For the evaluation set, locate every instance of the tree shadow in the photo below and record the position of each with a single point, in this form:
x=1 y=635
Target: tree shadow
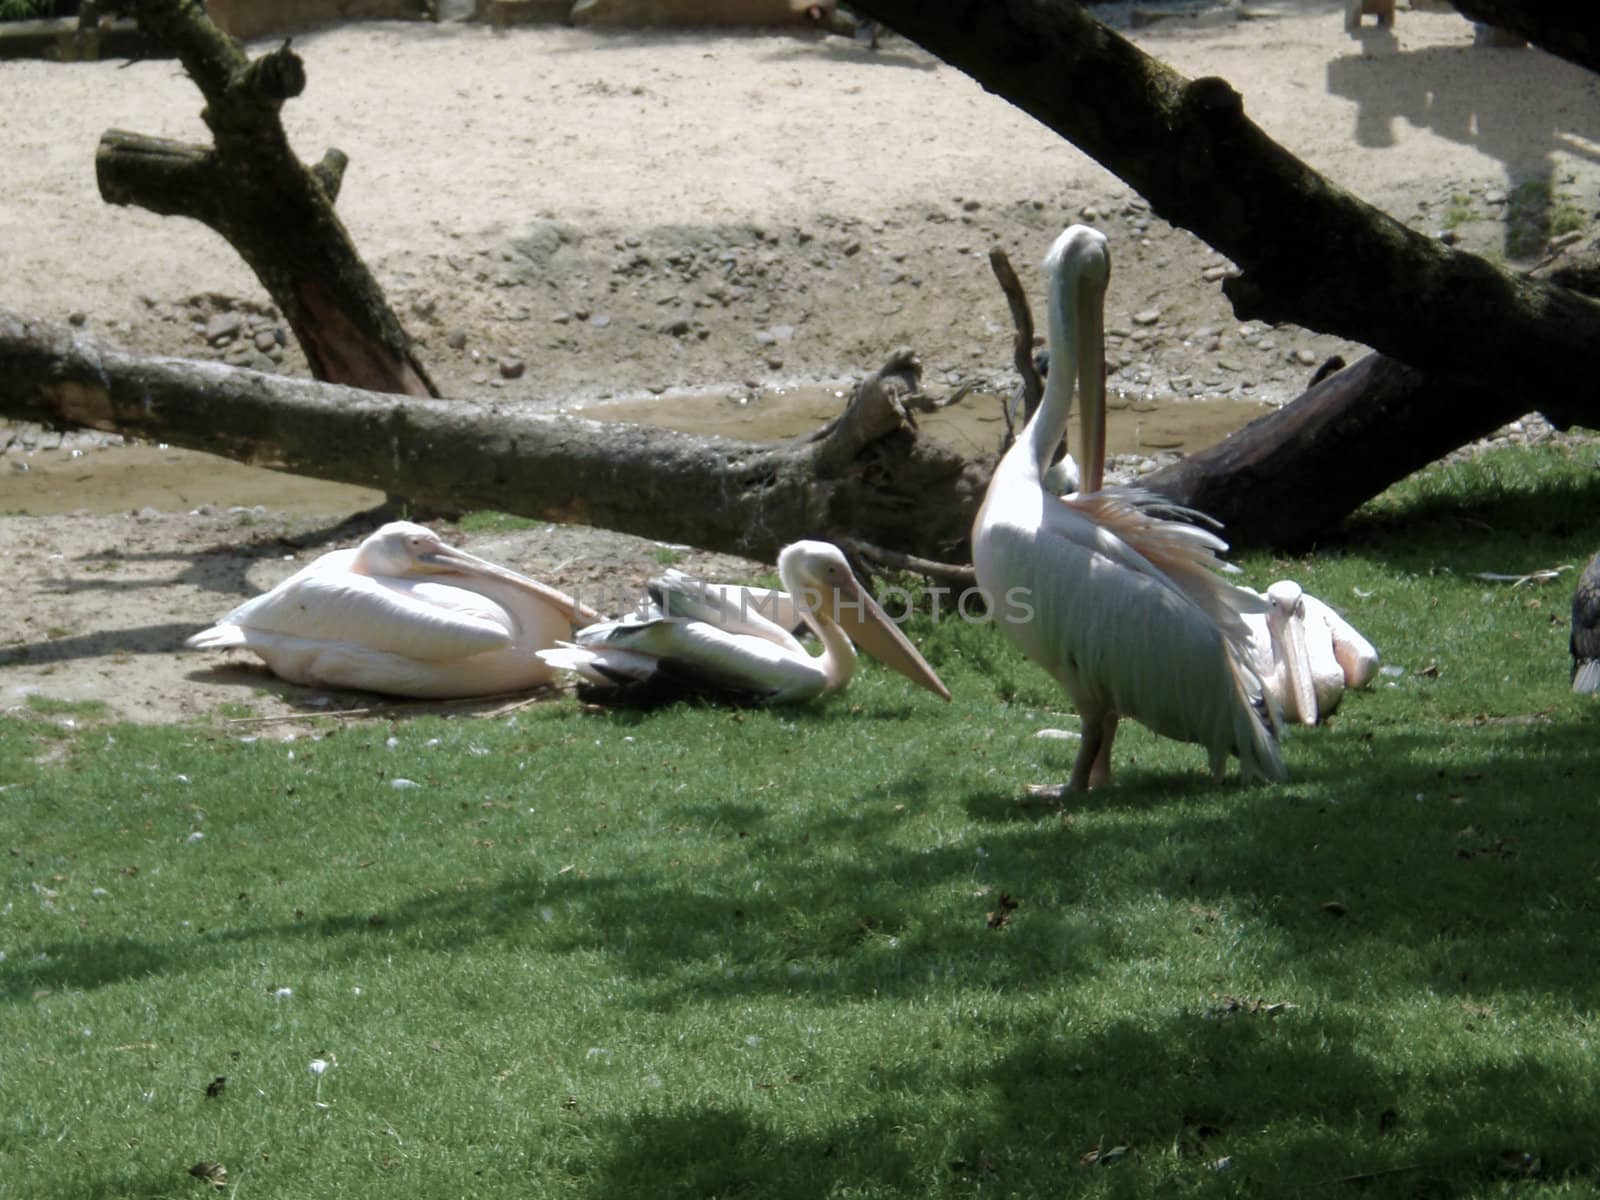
x=1518 y=106
x=145 y=639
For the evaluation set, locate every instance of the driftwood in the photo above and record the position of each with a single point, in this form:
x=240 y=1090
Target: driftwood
x=276 y=211
x=1308 y=252
x=869 y=474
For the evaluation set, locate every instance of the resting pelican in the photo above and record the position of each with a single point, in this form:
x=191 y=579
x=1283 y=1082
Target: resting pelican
x=1585 y=641
x=406 y=614
x=1117 y=602
x=1306 y=654
x=722 y=644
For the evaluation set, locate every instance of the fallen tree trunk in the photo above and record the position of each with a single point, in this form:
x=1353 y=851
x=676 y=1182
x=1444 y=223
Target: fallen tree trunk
x=1308 y=252
x=867 y=479
x=868 y=474
x=1288 y=479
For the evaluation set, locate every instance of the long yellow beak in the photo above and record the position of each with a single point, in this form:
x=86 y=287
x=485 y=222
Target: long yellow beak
x=1089 y=325
x=449 y=560
x=1297 y=666
x=855 y=611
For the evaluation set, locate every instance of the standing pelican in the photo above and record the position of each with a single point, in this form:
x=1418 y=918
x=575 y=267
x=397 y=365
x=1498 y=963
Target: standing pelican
x=1306 y=654
x=731 y=647
x=406 y=614
x=1119 y=603
x=1585 y=641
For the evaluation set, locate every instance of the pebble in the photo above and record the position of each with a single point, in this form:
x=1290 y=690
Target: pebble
x=512 y=368
x=1148 y=317
x=222 y=327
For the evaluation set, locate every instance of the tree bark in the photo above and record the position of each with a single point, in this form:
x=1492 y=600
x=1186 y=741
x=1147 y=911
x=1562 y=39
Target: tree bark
x=1567 y=30
x=1289 y=478
x=868 y=474
x=1308 y=252
x=276 y=211
x=867 y=479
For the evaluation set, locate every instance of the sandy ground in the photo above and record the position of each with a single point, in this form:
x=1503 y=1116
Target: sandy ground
x=570 y=217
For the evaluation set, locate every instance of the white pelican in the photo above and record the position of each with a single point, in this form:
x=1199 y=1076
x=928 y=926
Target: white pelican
x=1585 y=641
x=723 y=644
x=1306 y=654
x=1118 y=603
x=406 y=614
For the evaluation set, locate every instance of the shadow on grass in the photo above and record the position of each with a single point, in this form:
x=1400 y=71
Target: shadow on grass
x=1184 y=1099
x=1436 y=853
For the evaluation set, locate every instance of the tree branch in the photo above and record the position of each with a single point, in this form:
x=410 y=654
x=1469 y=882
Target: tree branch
x=274 y=210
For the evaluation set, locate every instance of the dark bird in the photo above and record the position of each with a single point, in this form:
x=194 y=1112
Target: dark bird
x=1586 y=630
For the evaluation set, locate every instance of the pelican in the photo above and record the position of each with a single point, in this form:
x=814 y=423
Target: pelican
x=1585 y=642
x=1113 y=598
x=1306 y=654
x=733 y=643
x=406 y=614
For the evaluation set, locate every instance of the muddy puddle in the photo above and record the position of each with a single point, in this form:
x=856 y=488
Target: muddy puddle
x=114 y=479
x=974 y=426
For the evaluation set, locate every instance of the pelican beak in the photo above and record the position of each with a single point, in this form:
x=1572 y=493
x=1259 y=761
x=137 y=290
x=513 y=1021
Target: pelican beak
x=448 y=560
x=1297 y=665
x=869 y=627
x=1089 y=324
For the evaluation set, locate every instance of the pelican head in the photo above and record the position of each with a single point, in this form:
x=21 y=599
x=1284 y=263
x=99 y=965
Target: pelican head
x=1079 y=269
x=404 y=549
x=1286 y=624
x=819 y=577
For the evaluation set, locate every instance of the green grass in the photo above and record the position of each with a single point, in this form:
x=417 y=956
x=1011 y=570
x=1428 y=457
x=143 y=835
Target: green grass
x=1536 y=212
x=826 y=951
x=1460 y=212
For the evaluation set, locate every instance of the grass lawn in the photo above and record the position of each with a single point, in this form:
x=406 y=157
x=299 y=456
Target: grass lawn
x=828 y=951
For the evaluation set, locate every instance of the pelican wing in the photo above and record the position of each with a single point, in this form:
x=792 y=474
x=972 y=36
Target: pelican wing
x=422 y=620
x=1083 y=595
x=694 y=655
x=1131 y=529
x=759 y=612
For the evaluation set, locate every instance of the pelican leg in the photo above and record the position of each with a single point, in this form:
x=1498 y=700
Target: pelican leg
x=1100 y=771
x=1093 y=766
